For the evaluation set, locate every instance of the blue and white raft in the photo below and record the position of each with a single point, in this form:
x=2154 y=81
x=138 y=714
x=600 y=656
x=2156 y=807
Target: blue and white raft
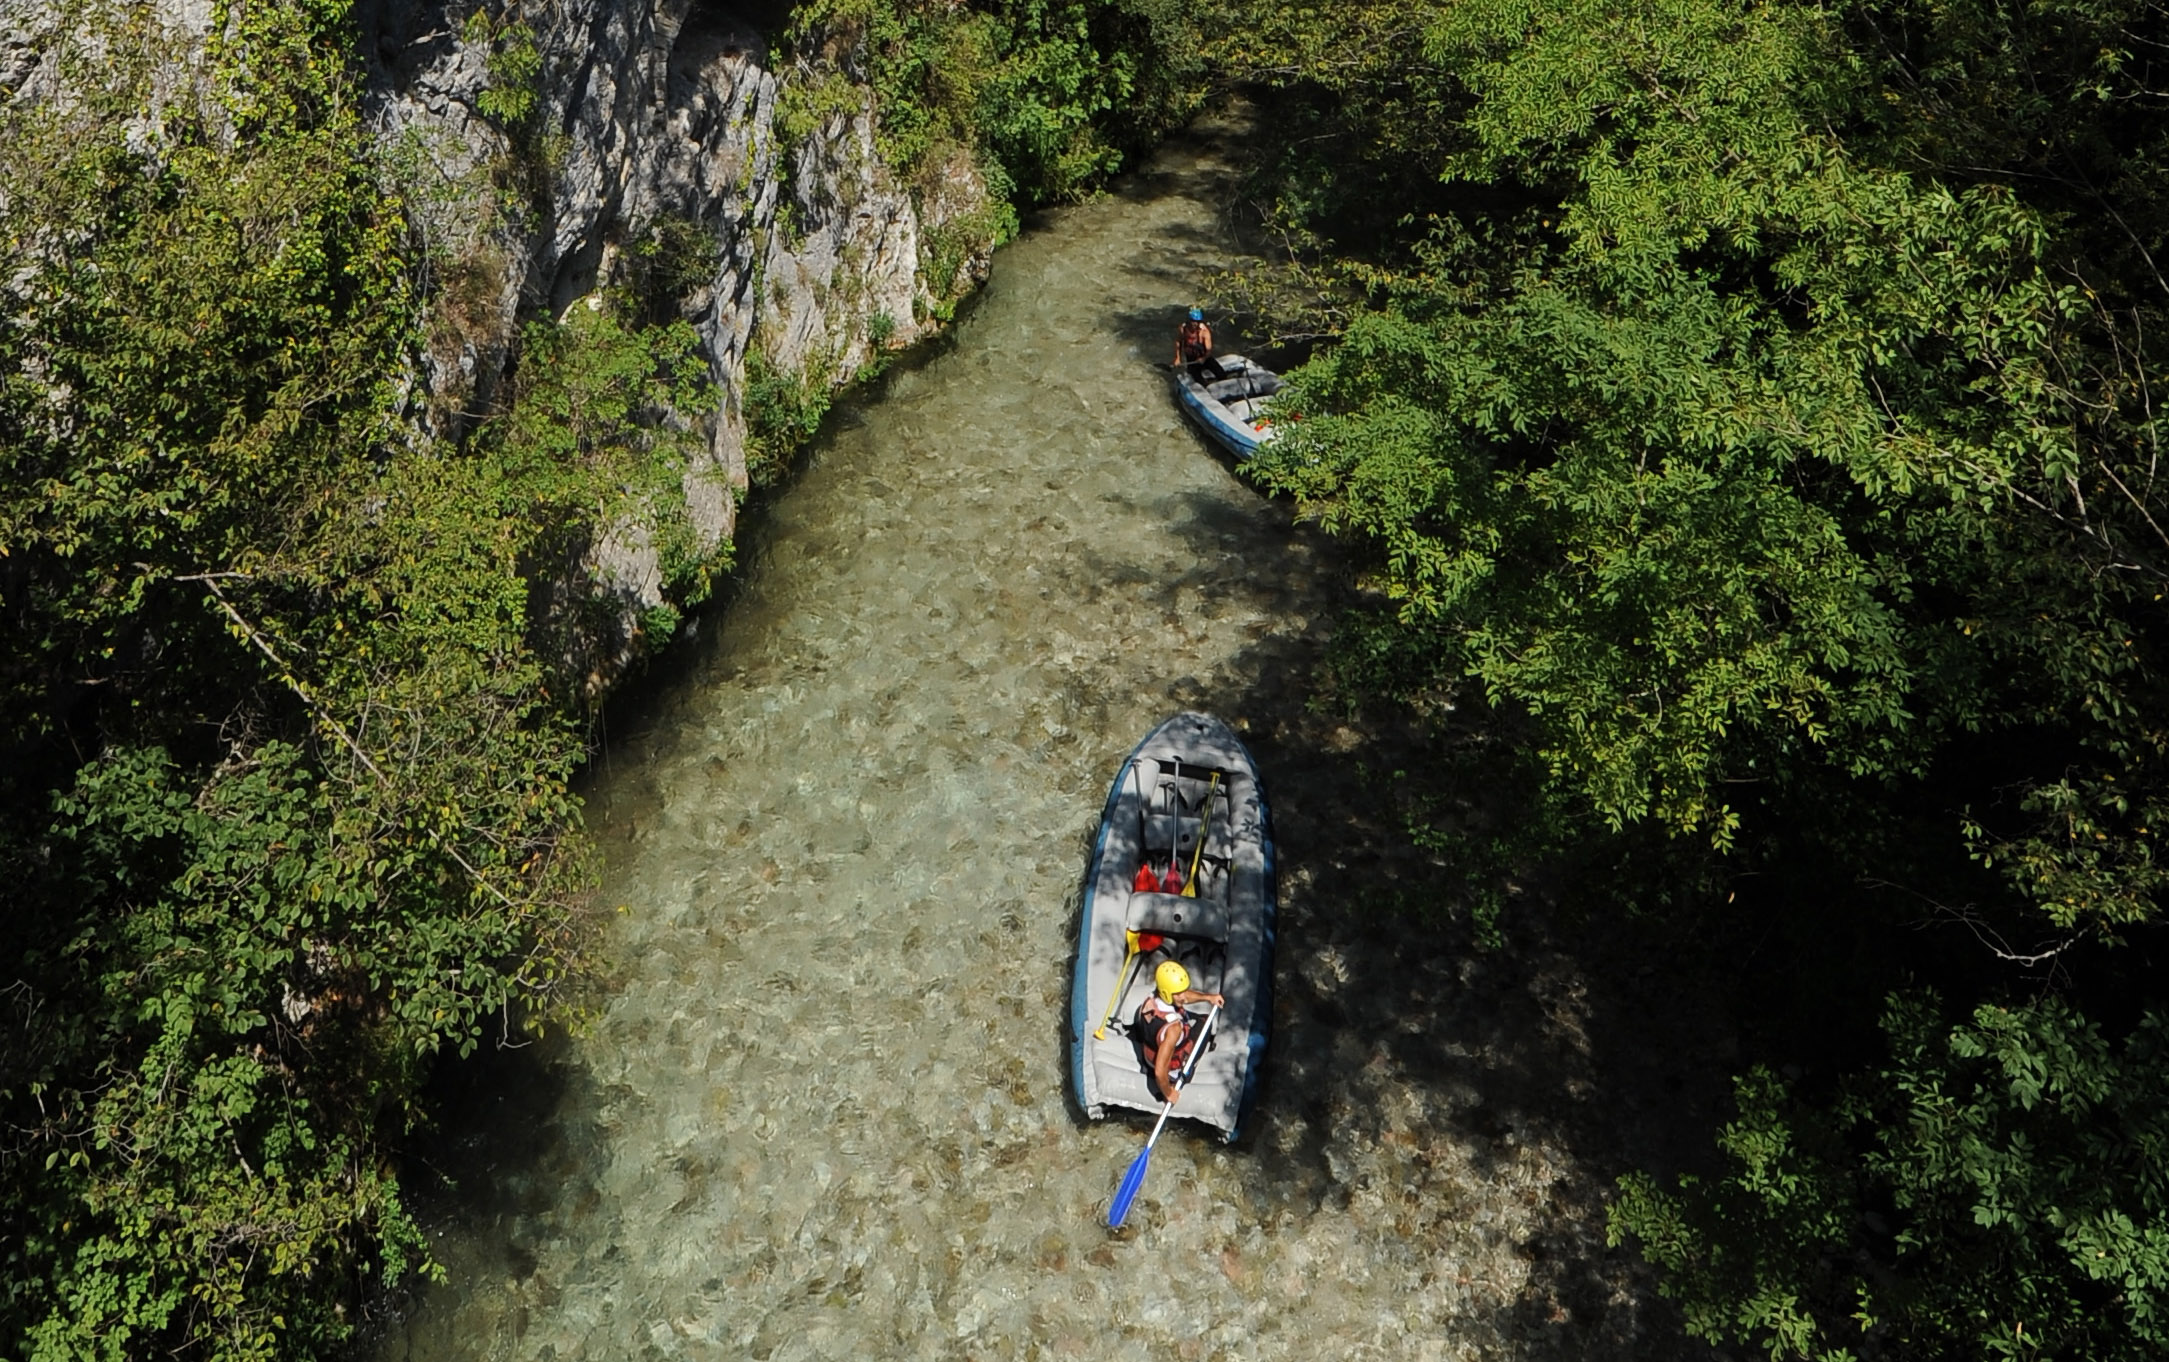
x=1191 y=778
x=1231 y=407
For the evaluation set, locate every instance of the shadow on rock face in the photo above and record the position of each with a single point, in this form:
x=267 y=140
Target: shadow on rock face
x=750 y=24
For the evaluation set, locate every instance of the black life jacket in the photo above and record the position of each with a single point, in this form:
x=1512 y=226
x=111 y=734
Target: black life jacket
x=1151 y=1020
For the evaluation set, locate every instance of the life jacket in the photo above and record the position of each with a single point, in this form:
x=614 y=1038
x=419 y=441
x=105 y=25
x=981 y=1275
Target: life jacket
x=1154 y=1017
x=1196 y=341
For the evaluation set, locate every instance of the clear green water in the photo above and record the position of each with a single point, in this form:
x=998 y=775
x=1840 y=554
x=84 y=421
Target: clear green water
x=822 y=1112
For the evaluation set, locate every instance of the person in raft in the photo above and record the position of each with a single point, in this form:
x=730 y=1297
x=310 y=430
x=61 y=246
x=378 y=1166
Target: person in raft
x=1194 y=348
x=1163 y=1031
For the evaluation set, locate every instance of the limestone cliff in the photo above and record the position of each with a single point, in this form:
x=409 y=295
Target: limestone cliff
x=653 y=133
x=549 y=150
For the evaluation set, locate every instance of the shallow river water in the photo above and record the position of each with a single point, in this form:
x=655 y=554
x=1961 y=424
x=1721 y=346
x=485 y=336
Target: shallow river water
x=821 y=1110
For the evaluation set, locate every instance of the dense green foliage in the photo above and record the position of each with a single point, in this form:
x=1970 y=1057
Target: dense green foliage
x=2007 y=1171
x=1753 y=406
x=1046 y=96
x=285 y=790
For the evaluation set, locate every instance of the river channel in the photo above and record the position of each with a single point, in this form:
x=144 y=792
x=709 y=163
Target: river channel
x=820 y=1111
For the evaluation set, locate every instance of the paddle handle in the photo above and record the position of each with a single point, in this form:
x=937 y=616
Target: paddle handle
x=1204 y=828
x=1122 y=982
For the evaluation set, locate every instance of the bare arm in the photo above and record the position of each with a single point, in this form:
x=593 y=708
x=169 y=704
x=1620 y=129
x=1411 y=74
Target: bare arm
x=1163 y=1061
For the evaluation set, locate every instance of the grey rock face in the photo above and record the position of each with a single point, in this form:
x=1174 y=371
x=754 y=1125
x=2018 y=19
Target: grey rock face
x=649 y=113
x=55 y=52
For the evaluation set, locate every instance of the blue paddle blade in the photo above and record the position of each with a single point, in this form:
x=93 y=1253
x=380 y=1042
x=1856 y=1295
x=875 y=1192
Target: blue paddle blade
x=1132 y=1181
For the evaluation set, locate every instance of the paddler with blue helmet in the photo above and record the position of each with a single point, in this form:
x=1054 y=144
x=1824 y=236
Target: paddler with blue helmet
x=1164 y=1032
x=1194 y=347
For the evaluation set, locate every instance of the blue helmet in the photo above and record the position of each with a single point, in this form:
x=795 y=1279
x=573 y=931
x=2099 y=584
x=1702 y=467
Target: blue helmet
x=1197 y=314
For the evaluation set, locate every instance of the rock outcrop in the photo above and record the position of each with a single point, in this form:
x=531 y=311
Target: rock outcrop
x=652 y=132
x=550 y=151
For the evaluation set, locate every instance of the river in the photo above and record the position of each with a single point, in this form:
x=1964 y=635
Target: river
x=820 y=1110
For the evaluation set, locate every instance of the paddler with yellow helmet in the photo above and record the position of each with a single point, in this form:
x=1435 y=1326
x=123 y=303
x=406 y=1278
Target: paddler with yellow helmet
x=1164 y=1032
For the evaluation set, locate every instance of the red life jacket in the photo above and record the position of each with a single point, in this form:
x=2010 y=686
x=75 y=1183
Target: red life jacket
x=1153 y=1018
x=1196 y=341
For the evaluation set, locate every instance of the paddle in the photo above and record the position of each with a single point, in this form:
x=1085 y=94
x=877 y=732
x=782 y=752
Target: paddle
x=1139 y=941
x=1144 y=882
x=1134 y=1180
x=1204 y=826
x=1171 y=882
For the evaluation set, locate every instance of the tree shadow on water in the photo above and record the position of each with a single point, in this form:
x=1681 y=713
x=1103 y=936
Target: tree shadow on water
x=493 y=1137
x=1476 y=1100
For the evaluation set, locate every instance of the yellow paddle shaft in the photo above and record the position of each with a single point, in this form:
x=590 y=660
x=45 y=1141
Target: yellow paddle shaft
x=1204 y=825
x=1121 y=982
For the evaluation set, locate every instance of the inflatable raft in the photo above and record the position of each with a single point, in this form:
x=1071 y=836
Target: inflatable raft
x=1231 y=407
x=1189 y=795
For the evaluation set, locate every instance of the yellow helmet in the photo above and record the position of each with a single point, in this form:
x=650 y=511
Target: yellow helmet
x=1171 y=979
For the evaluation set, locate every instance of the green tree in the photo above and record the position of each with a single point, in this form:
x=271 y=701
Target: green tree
x=1048 y=95
x=1646 y=483
x=1994 y=1191
x=285 y=789
x=1752 y=406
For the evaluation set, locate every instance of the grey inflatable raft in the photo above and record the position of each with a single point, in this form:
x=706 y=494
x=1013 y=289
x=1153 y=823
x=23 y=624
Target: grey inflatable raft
x=1190 y=778
x=1230 y=407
